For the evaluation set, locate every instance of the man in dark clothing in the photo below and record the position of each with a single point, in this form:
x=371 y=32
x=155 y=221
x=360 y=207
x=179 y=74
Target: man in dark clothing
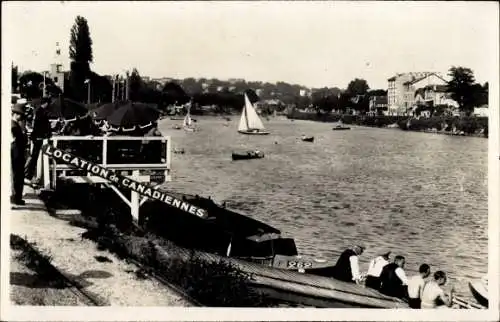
x=17 y=154
x=41 y=131
x=347 y=267
x=393 y=280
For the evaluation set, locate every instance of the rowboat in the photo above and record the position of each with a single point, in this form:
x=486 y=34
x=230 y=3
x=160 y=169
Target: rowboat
x=307 y=138
x=247 y=155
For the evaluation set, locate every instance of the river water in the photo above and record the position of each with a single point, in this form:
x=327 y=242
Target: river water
x=420 y=195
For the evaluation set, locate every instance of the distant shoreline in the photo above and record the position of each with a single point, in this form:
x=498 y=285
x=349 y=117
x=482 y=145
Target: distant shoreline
x=455 y=126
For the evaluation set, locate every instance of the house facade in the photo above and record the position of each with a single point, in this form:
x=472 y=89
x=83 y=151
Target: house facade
x=376 y=104
x=402 y=88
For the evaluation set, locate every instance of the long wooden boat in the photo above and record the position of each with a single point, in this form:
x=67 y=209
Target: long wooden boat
x=227 y=233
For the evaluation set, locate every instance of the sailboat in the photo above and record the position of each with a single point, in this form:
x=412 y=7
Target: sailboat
x=250 y=122
x=187 y=124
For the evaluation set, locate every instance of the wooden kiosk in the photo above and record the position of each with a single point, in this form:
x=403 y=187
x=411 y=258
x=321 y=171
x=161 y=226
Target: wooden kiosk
x=142 y=159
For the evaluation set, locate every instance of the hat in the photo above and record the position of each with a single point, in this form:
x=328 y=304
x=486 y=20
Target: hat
x=19 y=109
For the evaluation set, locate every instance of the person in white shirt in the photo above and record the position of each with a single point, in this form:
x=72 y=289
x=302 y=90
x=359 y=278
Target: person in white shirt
x=347 y=266
x=393 y=279
x=433 y=296
x=375 y=269
x=416 y=285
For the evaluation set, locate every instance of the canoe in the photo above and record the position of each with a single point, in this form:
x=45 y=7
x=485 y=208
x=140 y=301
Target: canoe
x=480 y=292
x=341 y=128
x=247 y=155
x=308 y=139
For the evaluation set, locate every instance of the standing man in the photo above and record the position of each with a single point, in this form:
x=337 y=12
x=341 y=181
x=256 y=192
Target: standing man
x=393 y=279
x=41 y=131
x=375 y=269
x=347 y=266
x=416 y=286
x=18 y=154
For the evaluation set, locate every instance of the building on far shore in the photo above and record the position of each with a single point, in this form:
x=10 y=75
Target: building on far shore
x=376 y=104
x=56 y=72
x=402 y=88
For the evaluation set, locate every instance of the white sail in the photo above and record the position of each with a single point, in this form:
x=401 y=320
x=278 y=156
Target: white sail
x=252 y=119
x=243 y=121
x=187 y=121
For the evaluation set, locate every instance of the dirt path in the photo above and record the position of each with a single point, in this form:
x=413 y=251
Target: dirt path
x=98 y=272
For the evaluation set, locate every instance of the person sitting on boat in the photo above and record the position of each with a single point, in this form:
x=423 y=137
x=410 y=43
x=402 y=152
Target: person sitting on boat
x=375 y=269
x=347 y=266
x=415 y=286
x=433 y=296
x=393 y=279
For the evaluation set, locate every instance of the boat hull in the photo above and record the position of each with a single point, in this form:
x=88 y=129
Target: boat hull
x=341 y=128
x=253 y=132
x=238 y=156
x=479 y=292
x=310 y=139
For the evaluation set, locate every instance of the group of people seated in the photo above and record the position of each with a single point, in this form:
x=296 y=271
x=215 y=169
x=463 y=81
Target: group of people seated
x=423 y=290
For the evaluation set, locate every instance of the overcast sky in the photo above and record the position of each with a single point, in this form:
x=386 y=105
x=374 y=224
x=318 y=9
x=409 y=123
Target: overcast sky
x=312 y=44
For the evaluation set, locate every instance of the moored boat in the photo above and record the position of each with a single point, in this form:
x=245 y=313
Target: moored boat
x=247 y=155
x=479 y=290
x=341 y=127
x=307 y=138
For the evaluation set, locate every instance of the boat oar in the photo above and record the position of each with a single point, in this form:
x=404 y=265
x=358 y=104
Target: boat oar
x=467 y=304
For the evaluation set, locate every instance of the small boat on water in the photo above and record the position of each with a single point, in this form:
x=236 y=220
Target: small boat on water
x=479 y=290
x=256 y=154
x=179 y=151
x=307 y=138
x=176 y=127
x=250 y=122
x=340 y=127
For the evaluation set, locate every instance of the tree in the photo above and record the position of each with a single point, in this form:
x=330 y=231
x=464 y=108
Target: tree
x=80 y=45
x=462 y=89
x=80 y=53
x=357 y=87
x=135 y=84
x=31 y=85
x=252 y=96
x=377 y=92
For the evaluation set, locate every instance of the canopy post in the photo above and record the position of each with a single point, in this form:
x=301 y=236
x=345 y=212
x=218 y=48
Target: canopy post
x=134 y=206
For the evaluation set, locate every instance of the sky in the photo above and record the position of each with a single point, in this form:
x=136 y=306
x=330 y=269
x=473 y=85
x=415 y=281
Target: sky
x=314 y=44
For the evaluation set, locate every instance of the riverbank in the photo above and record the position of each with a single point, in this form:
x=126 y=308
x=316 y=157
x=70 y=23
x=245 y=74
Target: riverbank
x=464 y=126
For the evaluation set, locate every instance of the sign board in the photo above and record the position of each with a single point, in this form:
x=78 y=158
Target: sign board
x=121 y=181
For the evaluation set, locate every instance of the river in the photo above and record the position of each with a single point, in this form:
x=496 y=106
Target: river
x=420 y=195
